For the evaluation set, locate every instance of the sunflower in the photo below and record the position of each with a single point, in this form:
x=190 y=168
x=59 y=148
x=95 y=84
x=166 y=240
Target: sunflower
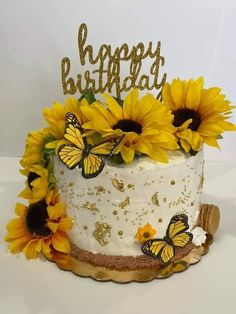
x=145 y=233
x=40 y=228
x=33 y=148
x=36 y=185
x=56 y=116
x=200 y=114
x=146 y=123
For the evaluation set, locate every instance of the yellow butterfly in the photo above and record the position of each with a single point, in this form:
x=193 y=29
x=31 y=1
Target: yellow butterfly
x=78 y=153
x=176 y=237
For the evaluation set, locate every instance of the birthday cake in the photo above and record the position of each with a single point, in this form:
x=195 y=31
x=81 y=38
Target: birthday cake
x=114 y=184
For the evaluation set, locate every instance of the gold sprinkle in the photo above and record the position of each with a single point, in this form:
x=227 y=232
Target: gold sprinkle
x=125 y=202
x=130 y=186
x=62 y=172
x=91 y=207
x=172 y=182
x=115 y=212
x=71 y=184
x=102 y=233
x=85 y=227
x=120 y=233
x=100 y=189
x=192 y=203
x=118 y=184
x=160 y=220
x=155 y=199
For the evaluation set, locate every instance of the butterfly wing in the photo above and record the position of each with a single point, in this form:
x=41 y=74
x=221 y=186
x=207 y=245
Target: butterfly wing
x=70 y=155
x=153 y=247
x=176 y=231
x=107 y=147
x=92 y=165
x=182 y=239
x=167 y=253
x=73 y=131
x=178 y=224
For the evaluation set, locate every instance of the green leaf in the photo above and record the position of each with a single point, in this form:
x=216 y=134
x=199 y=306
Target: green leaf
x=51 y=177
x=192 y=152
x=116 y=158
x=89 y=96
x=46 y=152
x=120 y=101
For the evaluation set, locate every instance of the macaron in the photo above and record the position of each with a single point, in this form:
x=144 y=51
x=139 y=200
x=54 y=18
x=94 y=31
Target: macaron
x=209 y=218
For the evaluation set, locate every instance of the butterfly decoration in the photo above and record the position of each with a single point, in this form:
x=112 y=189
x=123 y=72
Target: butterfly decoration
x=79 y=153
x=176 y=237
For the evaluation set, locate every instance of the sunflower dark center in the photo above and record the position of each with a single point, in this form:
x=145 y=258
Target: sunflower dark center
x=31 y=177
x=182 y=115
x=127 y=125
x=36 y=219
x=146 y=235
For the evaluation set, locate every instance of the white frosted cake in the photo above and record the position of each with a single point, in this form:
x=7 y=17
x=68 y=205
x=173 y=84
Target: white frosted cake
x=108 y=210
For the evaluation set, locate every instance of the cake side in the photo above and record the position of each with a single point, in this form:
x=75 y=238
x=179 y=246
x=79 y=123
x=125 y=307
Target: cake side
x=108 y=210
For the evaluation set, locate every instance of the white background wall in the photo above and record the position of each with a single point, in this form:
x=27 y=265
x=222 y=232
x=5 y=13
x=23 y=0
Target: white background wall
x=198 y=38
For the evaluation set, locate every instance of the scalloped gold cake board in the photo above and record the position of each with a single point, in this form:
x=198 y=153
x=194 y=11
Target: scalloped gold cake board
x=99 y=273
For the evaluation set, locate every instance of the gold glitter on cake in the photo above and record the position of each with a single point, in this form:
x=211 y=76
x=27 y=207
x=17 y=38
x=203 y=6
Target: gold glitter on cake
x=102 y=233
x=85 y=227
x=124 y=203
x=91 y=207
x=62 y=172
x=160 y=220
x=155 y=199
x=71 y=184
x=115 y=212
x=118 y=184
x=120 y=233
x=130 y=186
x=172 y=182
x=100 y=189
x=200 y=186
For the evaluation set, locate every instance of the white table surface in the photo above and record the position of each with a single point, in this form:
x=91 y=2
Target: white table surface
x=39 y=287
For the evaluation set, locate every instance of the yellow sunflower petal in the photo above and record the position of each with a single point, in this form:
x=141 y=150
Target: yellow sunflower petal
x=15 y=234
x=193 y=96
x=17 y=245
x=167 y=97
x=20 y=209
x=185 y=125
x=14 y=224
x=177 y=92
x=60 y=242
x=32 y=248
x=159 y=154
x=53 y=226
x=127 y=153
x=56 y=211
x=46 y=250
x=113 y=106
x=186 y=135
x=211 y=141
x=186 y=146
x=65 y=224
x=129 y=105
x=197 y=141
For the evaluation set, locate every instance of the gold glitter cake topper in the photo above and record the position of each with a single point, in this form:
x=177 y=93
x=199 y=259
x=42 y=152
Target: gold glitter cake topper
x=107 y=76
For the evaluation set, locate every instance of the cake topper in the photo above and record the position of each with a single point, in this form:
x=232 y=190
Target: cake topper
x=107 y=75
